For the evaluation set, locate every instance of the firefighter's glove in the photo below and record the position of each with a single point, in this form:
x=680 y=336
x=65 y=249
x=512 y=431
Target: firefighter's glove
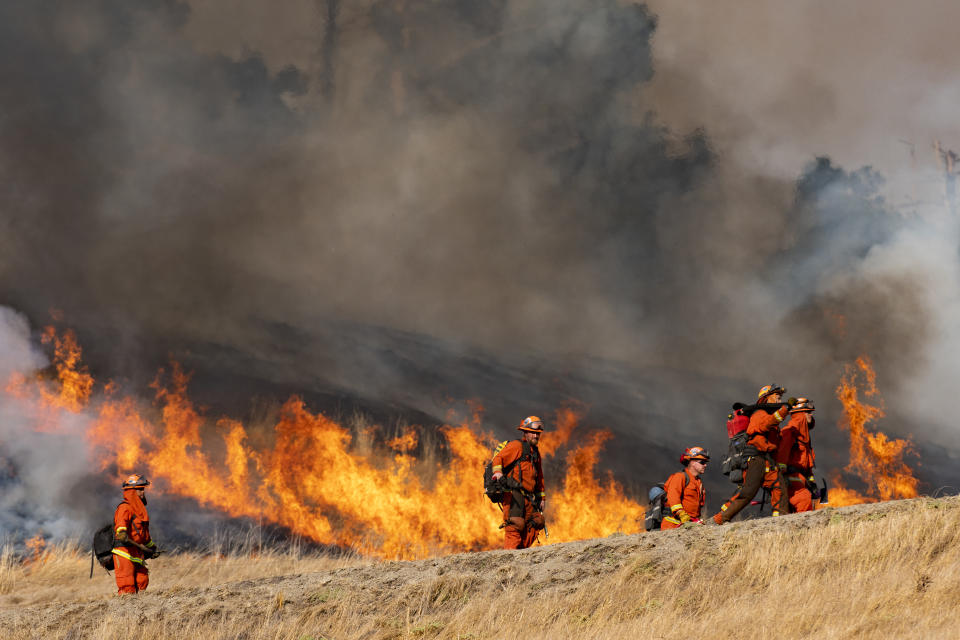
x=684 y=516
x=791 y=401
x=782 y=466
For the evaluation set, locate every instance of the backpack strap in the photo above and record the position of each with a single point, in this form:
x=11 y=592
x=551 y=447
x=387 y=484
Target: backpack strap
x=525 y=453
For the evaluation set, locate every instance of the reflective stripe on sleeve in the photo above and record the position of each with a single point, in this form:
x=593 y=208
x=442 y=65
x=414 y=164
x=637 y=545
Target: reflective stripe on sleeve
x=124 y=554
x=672 y=520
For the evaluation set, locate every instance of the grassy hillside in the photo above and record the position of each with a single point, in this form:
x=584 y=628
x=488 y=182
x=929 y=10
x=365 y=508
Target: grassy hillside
x=890 y=570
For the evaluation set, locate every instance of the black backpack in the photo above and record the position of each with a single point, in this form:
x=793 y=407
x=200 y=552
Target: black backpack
x=102 y=550
x=658 y=508
x=738 y=450
x=736 y=461
x=494 y=489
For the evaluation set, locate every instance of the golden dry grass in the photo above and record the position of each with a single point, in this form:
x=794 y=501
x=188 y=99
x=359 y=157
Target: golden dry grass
x=890 y=570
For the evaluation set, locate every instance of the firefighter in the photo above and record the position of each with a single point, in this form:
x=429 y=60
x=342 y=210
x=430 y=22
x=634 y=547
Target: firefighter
x=518 y=464
x=133 y=544
x=685 y=493
x=795 y=455
x=762 y=469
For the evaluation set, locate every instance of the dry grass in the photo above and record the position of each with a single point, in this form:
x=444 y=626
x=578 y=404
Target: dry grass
x=890 y=571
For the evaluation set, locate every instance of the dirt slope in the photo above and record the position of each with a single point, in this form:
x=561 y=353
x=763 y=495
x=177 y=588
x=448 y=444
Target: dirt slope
x=568 y=588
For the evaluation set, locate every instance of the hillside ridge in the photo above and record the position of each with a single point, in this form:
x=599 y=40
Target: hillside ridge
x=436 y=589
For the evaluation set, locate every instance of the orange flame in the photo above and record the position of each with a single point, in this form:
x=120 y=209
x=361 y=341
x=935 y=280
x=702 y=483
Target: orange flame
x=875 y=458
x=36 y=546
x=69 y=389
x=308 y=474
x=76 y=383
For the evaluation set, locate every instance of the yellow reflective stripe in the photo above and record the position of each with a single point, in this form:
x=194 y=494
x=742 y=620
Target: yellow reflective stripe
x=723 y=508
x=498 y=467
x=676 y=506
x=150 y=544
x=124 y=554
x=543 y=494
x=796 y=478
x=673 y=520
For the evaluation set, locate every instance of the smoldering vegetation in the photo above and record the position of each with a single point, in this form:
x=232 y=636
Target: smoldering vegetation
x=410 y=202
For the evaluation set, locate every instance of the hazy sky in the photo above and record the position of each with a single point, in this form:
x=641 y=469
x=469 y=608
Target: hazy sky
x=776 y=83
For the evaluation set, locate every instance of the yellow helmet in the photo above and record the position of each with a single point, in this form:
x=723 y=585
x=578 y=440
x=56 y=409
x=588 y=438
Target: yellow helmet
x=769 y=389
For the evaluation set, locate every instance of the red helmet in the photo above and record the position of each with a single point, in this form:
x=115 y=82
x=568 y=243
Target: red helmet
x=695 y=453
x=136 y=481
x=531 y=424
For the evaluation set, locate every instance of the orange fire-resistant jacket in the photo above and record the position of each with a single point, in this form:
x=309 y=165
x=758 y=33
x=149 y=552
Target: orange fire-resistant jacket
x=684 y=501
x=764 y=429
x=795 y=447
x=529 y=472
x=131 y=517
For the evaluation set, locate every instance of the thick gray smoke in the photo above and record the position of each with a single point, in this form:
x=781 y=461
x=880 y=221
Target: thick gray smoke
x=406 y=202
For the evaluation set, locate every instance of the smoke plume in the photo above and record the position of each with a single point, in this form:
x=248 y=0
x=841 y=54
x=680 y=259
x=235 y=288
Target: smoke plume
x=400 y=203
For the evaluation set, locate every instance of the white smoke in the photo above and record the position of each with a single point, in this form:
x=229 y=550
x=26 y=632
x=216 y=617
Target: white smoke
x=44 y=465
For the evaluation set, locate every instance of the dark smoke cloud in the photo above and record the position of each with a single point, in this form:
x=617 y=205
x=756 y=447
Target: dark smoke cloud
x=404 y=202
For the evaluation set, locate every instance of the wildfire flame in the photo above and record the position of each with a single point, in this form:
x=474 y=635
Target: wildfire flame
x=307 y=474
x=875 y=458
x=36 y=549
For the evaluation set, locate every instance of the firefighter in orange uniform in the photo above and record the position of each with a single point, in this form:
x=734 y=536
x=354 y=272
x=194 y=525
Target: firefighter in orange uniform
x=795 y=455
x=132 y=537
x=762 y=469
x=518 y=464
x=685 y=493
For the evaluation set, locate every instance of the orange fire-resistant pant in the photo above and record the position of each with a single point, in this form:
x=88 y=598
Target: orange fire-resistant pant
x=800 y=497
x=519 y=517
x=760 y=472
x=131 y=577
